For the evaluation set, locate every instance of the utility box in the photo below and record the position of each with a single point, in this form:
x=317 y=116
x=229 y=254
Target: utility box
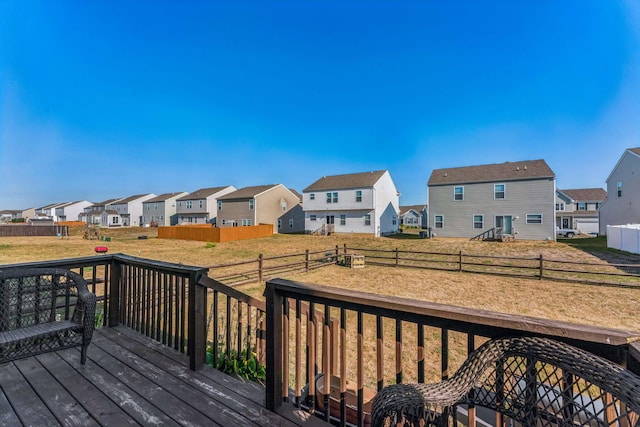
x=354 y=261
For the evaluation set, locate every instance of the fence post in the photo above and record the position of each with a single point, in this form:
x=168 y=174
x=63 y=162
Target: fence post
x=260 y=262
x=397 y=263
x=306 y=260
x=460 y=261
x=274 y=348
x=114 y=294
x=337 y=253
x=345 y=248
x=541 y=268
x=197 y=319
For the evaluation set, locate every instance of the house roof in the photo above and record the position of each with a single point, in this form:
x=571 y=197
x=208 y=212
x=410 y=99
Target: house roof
x=163 y=197
x=111 y=212
x=351 y=180
x=202 y=193
x=298 y=195
x=417 y=208
x=130 y=199
x=586 y=194
x=105 y=202
x=635 y=150
x=247 y=192
x=507 y=171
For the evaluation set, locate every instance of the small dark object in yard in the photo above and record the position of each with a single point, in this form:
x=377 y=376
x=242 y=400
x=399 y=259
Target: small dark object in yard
x=101 y=249
x=142 y=237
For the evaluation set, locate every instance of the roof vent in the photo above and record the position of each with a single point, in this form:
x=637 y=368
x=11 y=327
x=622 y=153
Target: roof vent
x=525 y=167
x=445 y=174
x=517 y=168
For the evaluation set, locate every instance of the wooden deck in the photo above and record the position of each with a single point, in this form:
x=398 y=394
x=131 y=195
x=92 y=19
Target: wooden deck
x=130 y=380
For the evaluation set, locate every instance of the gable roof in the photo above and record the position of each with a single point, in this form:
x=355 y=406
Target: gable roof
x=105 y=202
x=345 y=181
x=586 y=194
x=163 y=197
x=203 y=193
x=633 y=151
x=507 y=171
x=129 y=199
x=247 y=192
x=417 y=208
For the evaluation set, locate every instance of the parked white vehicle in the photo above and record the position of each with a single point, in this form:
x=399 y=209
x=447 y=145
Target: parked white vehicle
x=567 y=232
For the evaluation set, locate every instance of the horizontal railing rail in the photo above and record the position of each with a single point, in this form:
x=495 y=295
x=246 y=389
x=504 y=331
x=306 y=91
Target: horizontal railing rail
x=379 y=340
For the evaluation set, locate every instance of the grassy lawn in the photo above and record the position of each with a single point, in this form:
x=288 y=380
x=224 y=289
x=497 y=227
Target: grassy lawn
x=606 y=306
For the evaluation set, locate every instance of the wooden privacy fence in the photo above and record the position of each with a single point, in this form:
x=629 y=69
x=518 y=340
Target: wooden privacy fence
x=204 y=233
x=27 y=230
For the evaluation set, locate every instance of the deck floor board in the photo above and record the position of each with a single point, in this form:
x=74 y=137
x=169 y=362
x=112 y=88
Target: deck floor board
x=129 y=380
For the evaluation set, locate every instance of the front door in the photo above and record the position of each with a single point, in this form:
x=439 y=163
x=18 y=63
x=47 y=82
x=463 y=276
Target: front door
x=331 y=219
x=504 y=222
x=565 y=223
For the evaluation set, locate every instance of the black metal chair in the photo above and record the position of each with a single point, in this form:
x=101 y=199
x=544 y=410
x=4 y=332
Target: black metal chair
x=44 y=309
x=533 y=381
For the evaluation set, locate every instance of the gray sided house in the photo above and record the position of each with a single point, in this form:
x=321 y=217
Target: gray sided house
x=578 y=209
x=129 y=210
x=414 y=216
x=514 y=199
x=200 y=207
x=261 y=204
x=161 y=210
x=93 y=214
x=622 y=204
x=292 y=221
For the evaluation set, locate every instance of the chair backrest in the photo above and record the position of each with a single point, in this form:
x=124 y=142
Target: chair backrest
x=539 y=381
x=37 y=295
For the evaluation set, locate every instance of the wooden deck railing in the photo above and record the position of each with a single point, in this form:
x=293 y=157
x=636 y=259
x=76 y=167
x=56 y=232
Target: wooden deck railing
x=375 y=340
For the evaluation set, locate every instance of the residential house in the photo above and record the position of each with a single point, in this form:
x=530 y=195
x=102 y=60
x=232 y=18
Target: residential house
x=93 y=214
x=9 y=215
x=366 y=202
x=292 y=221
x=28 y=214
x=71 y=211
x=261 y=204
x=622 y=204
x=414 y=216
x=48 y=212
x=126 y=212
x=161 y=210
x=200 y=207
x=512 y=199
x=578 y=209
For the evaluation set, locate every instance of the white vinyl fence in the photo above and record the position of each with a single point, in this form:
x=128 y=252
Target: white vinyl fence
x=624 y=237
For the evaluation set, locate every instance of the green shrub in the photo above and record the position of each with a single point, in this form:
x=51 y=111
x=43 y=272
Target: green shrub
x=209 y=245
x=247 y=367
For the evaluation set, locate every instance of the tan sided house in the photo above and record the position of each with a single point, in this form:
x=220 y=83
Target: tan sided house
x=261 y=204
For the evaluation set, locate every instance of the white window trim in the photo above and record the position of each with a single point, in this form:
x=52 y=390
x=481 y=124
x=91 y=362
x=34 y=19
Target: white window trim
x=526 y=218
x=436 y=222
x=454 y=193
x=504 y=192
x=473 y=221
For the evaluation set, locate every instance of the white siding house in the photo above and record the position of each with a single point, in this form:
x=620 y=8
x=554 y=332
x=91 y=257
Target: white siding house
x=578 y=209
x=622 y=205
x=72 y=211
x=366 y=203
x=200 y=207
x=512 y=199
x=129 y=210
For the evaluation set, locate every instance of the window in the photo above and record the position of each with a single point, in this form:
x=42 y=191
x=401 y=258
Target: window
x=478 y=222
x=534 y=219
x=438 y=221
x=189 y=204
x=332 y=197
x=458 y=193
x=560 y=206
x=358 y=195
x=597 y=205
x=219 y=205
x=367 y=219
x=251 y=202
x=179 y=204
x=291 y=223
x=312 y=196
x=115 y=220
x=284 y=206
x=155 y=206
x=582 y=206
x=498 y=191
x=619 y=186
x=312 y=218
x=279 y=224
x=328 y=197
x=224 y=222
x=343 y=219
x=246 y=222
x=394 y=220
x=201 y=203
x=148 y=206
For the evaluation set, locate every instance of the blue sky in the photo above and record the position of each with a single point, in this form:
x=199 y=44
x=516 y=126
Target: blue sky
x=106 y=99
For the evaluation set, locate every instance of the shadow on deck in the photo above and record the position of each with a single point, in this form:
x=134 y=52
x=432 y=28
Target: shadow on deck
x=130 y=380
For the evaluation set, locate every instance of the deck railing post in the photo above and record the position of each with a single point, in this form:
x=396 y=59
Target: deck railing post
x=274 y=348
x=197 y=319
x=114 y=294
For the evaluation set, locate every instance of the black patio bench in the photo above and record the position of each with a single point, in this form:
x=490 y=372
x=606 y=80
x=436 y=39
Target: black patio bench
x=42 y=310
x=530 y=380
